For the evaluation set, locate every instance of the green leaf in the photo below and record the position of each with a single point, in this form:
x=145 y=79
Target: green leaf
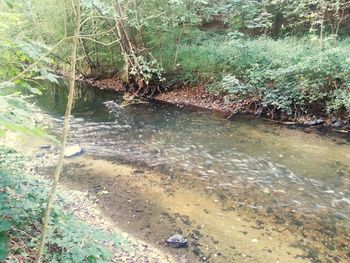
x=30 y=88
x=52 y=78
x=4 y=225
x=92 y=259
x=3 y=246
x=49 y=76
x=9 y=3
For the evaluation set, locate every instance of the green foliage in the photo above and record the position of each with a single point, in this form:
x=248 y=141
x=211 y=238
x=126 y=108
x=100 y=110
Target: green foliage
x=16 y=115
x=23 y=201
x=288 y=75
x=17 y=56
x=4 y=227
x=339 y=99
x=151 y=70
x=291 y=56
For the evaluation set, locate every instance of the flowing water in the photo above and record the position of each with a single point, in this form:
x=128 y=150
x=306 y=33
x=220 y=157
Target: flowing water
x=260 y=165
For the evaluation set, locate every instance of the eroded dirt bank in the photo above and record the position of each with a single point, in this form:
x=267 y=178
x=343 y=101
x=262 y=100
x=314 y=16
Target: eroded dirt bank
x=201 y=98
x=152 y=206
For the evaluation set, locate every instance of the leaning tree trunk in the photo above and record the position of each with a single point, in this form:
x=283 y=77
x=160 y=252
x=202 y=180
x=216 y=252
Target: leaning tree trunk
x=135 y=54
x=58 y=170
x=130 y=50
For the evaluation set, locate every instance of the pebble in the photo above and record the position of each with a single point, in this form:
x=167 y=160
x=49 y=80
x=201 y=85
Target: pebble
x=320 y=121
x=177 y=241
x=266 y=190
x=39 y=155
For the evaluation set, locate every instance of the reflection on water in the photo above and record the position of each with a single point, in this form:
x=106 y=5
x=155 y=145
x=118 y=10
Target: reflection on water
x=295 y=169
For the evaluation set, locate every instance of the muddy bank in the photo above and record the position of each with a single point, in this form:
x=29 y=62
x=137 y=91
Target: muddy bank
x=199 y=97
x=86 y=208
x=106 y=84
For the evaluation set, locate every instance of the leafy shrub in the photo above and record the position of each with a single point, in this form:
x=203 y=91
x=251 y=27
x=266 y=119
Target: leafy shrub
x=289 y=75
x=340 y=99
x=23 y=201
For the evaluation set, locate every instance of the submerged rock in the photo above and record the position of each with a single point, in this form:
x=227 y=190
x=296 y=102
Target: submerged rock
x=177 y=241
x=72 y=151
x=39 y=155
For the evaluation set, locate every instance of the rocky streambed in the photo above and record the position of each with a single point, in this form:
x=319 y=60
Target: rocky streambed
x=238 y=190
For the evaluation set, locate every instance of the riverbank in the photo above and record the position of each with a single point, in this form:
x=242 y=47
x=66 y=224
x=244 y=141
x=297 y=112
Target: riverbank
x=78 y=219
x=155 y=170
x=199 y=97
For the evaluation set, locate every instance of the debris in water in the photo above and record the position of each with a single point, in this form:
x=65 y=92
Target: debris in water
x=45 y=146
x=177 y=241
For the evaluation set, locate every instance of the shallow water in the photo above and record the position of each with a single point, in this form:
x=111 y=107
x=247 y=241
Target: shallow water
x=277 y=166
x=302 y=171
x=212 y=171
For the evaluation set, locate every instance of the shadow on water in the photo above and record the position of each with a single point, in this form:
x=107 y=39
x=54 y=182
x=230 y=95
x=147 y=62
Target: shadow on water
x=256 y=164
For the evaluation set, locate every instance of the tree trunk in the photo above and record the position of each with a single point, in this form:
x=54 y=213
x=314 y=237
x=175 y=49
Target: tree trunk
x=59 y=167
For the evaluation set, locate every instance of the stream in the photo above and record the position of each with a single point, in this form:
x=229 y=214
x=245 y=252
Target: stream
x=284 y=175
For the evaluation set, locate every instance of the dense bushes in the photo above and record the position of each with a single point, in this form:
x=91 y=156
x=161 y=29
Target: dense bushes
x=290 y=75
x=289 y=57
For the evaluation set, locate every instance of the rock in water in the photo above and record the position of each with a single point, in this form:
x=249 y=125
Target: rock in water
x=45 y=146
x=334 y=119
x=310 y=123
x=39 y=155
x=337 y=124
x=72 y=151
x=177 y=241
x=319 y=121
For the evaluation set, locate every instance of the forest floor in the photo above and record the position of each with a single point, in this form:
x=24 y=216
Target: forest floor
x=201 y=98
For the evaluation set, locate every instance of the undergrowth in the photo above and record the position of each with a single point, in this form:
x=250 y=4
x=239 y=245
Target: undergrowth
x=23 y=198
x=292 y=76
